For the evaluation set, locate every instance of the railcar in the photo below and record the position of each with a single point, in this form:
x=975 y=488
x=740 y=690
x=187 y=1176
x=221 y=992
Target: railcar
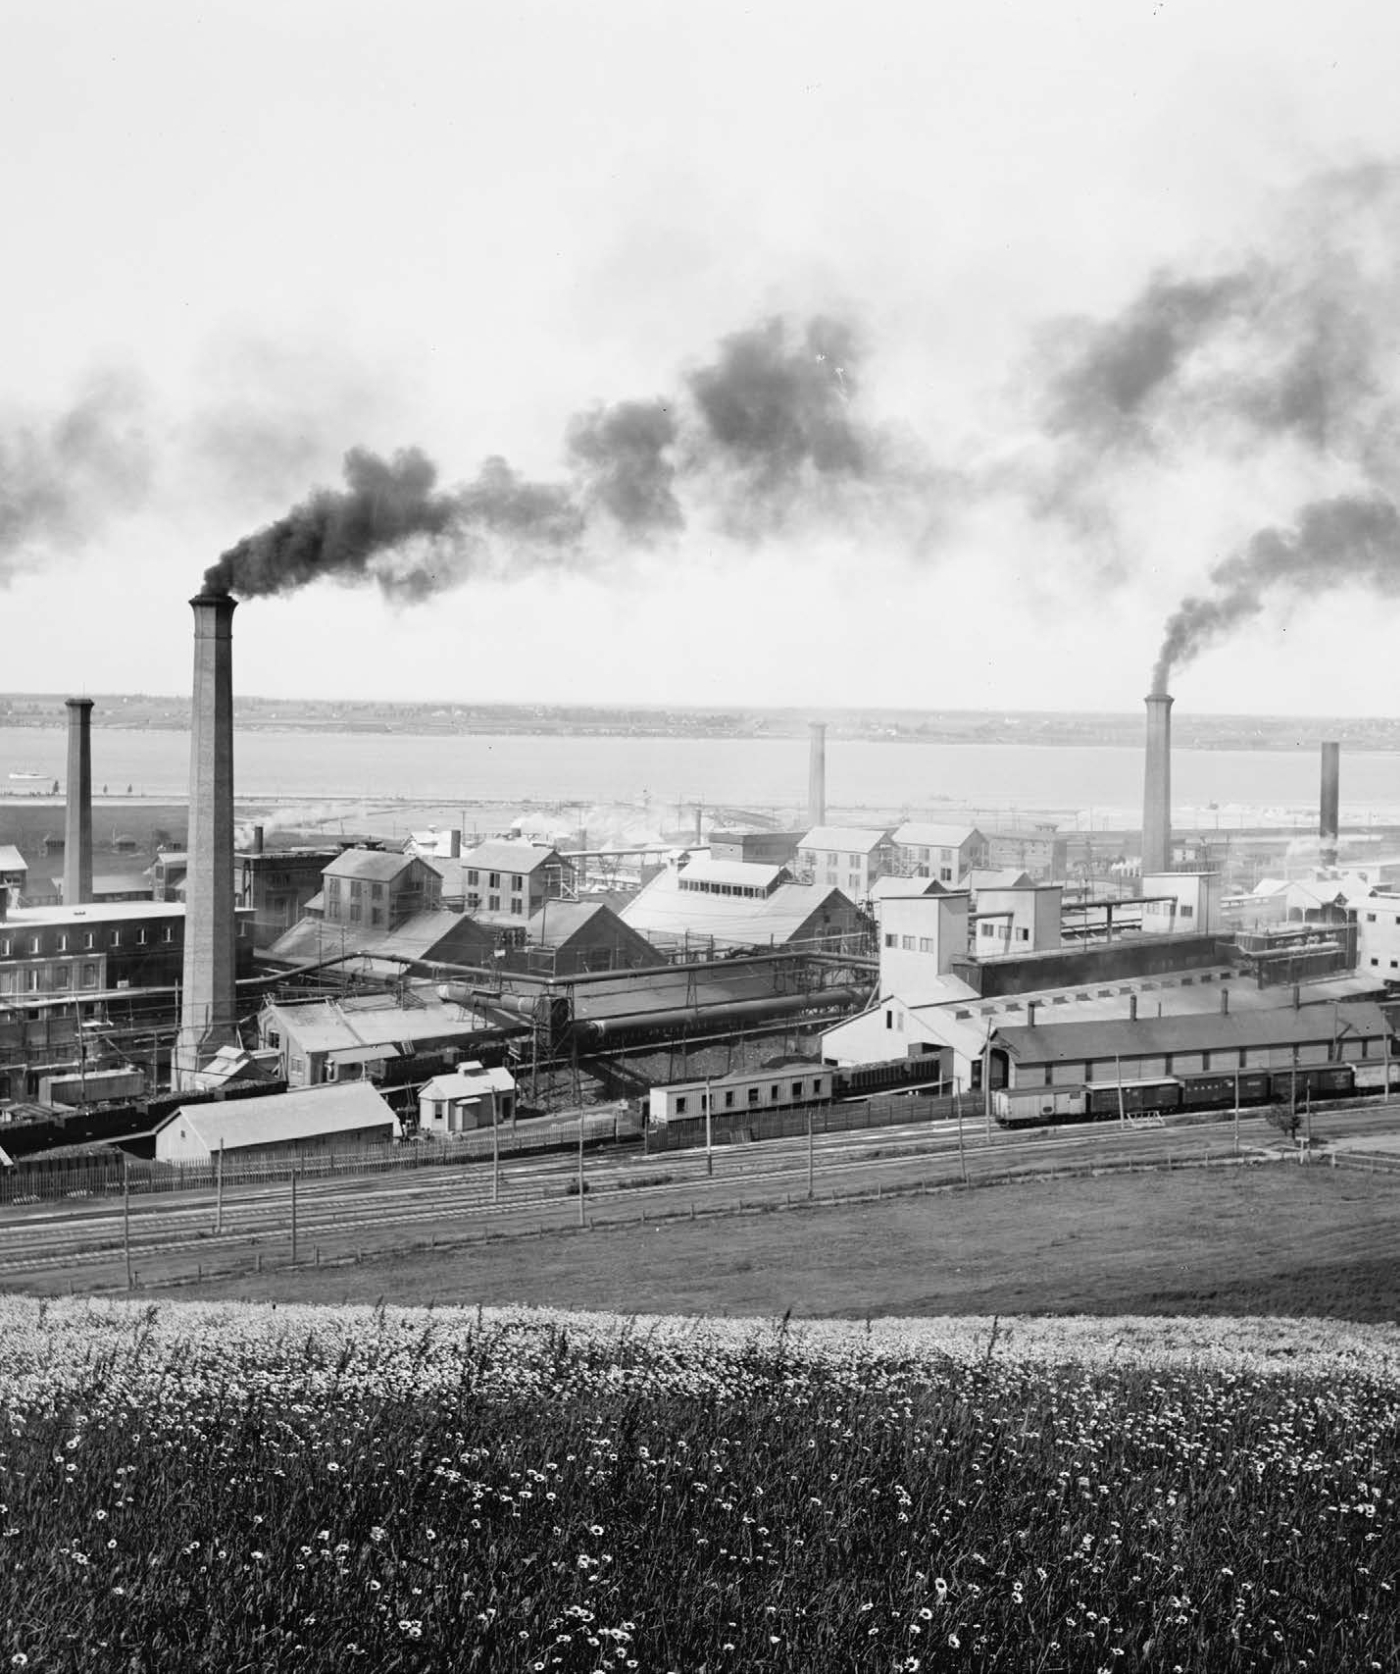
x=1020 y=1107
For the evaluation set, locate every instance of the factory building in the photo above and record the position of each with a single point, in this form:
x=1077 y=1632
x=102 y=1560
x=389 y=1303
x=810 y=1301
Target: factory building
x=506 y=880
x=1041 y=853
x=1378 y=935
x=278 y=884
x=730 y=906
x=80 y=949
x=359 y=1037
x=367 y=889
x=761 y=848
x=848 y=858
x=945 y=852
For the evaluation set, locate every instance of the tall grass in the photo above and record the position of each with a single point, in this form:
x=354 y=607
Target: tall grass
x=247 y=1489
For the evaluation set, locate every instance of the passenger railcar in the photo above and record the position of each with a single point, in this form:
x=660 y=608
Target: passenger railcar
x=792 y=1088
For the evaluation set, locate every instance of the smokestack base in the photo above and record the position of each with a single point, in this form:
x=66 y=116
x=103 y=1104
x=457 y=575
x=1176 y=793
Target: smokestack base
x=1157 y=785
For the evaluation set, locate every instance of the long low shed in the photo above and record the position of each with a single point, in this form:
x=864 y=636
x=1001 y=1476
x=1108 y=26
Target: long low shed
x=1074 y=1054
x=321 y=1118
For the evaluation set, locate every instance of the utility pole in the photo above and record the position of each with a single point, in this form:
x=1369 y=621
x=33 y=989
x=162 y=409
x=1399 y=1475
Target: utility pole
x=219 y=1188
x=582 y=1218
x=811 y=1157
x=294 y=1212
x=495 y=1153
x=126 y=1216
x=709 y=1132
x=1237 y=1110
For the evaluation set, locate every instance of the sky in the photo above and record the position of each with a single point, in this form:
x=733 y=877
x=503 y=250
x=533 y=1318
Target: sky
x=910 y=355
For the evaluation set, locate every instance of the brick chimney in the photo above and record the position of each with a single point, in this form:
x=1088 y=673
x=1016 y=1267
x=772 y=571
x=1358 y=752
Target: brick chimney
x=207 y=1010
x=77 y=822
x=1157 y=787
x=1329 y=821
x=816 y=776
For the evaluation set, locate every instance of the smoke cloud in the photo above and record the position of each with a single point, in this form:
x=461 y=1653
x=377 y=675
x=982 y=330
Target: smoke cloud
x=58 y=478
x=1347 y=540
x=770 y=422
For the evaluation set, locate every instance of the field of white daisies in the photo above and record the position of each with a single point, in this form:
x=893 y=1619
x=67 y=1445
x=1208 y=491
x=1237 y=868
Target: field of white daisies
x=238 y=1487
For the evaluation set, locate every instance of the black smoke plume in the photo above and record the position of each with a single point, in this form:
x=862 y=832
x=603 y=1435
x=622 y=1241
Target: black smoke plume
x=771 y=418
x=58 y=479
x=1347 y=540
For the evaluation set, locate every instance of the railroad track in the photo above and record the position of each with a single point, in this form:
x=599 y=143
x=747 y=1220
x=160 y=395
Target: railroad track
x=334 y=1214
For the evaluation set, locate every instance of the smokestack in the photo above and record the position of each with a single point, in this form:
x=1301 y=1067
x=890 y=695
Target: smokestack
x=1224 y=1002
x=1329 y=819
x=1157 y=788
x=77 y=825
x=207 y=1014
x=1132 y=1008
x=454 y=845
x=259 y=836
x=816 y=776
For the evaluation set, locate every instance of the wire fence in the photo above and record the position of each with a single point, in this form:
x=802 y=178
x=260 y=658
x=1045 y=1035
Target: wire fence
x=39 y=1179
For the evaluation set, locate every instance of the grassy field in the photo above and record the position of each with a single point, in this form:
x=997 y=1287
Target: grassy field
x=1275 y=1239
x=204 y=1489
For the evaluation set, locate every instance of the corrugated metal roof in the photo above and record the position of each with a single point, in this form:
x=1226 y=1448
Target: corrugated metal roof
x=371 y=864
x=505 y=854
x=858 y=839
x=325 y=1026
x=746 y=874
x=284 y=1118
x=915 y=833
x=1156 y=1036
x=663 y=908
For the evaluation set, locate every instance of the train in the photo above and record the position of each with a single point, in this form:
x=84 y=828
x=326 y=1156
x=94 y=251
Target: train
x=793 y=1087
x=1027 y=1107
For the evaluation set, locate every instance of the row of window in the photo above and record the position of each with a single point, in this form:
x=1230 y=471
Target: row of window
x=911 y=944
x=18 y=947
x=493 y=905
x=50 y=979
x=493 y=879
x=730 y=1096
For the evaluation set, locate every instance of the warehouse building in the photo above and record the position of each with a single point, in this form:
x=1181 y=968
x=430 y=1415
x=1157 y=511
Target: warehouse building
x=945 y=852
x=848 y=858
x=326 y=1119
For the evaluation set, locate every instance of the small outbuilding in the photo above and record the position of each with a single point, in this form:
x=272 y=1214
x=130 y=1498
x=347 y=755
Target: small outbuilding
x=472 y=1097
x=337 y=1117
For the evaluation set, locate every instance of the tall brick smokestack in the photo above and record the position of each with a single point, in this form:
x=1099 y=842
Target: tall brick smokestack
x=207 y=1014
x=1157 y=786
x=1329 y=818
x=77 y=823
x=816 y=776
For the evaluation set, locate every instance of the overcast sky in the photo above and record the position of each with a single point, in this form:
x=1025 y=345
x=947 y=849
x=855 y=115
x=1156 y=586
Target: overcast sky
x=910 y=354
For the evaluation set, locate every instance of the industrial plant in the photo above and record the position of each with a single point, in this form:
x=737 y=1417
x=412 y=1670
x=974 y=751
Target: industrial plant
x=267 y=995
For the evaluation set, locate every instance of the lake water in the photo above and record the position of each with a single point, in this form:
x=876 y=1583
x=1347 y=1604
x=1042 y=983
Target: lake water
x=1075 y=784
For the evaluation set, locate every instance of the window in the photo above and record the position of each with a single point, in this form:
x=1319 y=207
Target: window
x=63 y=943
x=680 y=1105
x=729 y=1100
x=889 y=1020
x=1370 y=918
x=378 y=891
x=141 y=938
x=907 y=943
x=168 y=934
x=357 y=889
x=945 y=874
x=775 y=1091
x=753 y=1095
x=797 y=1089
x=116 y=938
x=35 y=944
x=376 y=915
x=899 y=1022
x=1375 y=961
x=494 y=881
x=60 y=975
x=1184 y=911
x=517 y=882
x=926 y=945
x=473 y=902
x=89 y=976
x=89 y=938
x=473 y=876
x=1023 y=935
x=6 y=947
x=517 y=907
x=853 y=860
x=494 y=903
x=891 y=940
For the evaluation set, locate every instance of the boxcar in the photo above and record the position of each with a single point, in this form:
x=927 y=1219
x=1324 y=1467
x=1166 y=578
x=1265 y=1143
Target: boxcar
x=1133 y=1098
x=1312 y=1081
x=1218 y=1089
x=1030 y=1106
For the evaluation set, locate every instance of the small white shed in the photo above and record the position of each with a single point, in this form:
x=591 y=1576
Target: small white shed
x=472 y=1097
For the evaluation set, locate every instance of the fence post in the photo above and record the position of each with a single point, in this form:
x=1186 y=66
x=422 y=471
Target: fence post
x=126 y=1219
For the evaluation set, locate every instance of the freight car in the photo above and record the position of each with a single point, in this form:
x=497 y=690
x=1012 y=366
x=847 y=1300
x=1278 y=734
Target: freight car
x=1023 y=1107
